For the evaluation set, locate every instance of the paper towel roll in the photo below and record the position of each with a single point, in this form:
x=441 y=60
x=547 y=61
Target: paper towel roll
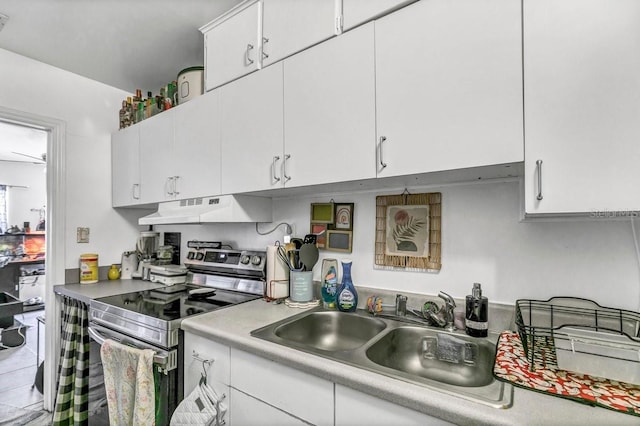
x=277 y=275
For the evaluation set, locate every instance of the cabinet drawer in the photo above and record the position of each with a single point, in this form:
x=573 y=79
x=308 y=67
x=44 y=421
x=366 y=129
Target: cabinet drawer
x=217 y=372
x=303 y=395
x=248 y=411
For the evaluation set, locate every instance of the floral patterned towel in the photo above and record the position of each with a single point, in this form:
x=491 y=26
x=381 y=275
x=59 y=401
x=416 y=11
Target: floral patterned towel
x=512 y=366
x=128 y=381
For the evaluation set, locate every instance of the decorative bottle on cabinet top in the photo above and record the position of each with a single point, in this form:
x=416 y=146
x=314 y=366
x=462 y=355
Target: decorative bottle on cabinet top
x=347 y=295
x=477 y=313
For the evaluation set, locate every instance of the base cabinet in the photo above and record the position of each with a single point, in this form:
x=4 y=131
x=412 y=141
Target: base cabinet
x=248 y=411
x=358 y=408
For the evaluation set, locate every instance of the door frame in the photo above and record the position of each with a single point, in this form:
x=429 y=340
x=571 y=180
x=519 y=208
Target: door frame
x=55 y=235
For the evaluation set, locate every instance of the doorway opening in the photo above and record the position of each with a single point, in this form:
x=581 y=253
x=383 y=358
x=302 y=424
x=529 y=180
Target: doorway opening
x=48 y=218
x=23 y=200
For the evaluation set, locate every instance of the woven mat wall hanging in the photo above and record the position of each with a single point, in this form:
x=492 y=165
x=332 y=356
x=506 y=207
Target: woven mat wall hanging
x=408 y=231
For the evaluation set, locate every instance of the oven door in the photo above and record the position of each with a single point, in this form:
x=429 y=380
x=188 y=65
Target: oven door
x=167 y=375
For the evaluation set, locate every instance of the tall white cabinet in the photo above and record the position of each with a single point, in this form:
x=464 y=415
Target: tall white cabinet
x=125 y=167
x=329 y=110
x=289 y=26
x=252 y=132
x=449 y=86
x=582 y=103
x=232 y=44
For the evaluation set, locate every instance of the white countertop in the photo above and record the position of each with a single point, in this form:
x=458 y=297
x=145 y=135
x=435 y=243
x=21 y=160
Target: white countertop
x=232 y=326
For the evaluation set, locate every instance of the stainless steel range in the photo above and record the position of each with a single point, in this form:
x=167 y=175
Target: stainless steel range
x=151 y=319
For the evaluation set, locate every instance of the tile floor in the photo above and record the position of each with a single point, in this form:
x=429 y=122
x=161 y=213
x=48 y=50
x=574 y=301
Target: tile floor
x=20 y=401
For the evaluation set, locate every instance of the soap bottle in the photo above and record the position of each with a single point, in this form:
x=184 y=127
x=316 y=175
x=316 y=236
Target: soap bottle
x=329 y=283
x=476 y=313
x=347 y=295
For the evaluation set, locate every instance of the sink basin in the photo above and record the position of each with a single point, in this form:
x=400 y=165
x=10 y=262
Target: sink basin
x=429 y=354
x=331 y=330
x=451 y=363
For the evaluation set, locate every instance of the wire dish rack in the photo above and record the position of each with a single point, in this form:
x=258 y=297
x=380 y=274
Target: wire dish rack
x=584 y=337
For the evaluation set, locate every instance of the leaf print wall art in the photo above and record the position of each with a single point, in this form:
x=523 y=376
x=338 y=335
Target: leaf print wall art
x=408 y=230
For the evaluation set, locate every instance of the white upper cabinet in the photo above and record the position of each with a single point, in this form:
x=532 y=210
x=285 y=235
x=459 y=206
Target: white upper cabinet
x=252 y=132
x=125 y=167
x=289 y=26
x=156 y=158
x=196 y=148
x=232 y=44
x=356 y=12
x=329 y=110
x=449 y=86
x=582 y=103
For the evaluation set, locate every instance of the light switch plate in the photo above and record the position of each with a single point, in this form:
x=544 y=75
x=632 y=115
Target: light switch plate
x=83 y=235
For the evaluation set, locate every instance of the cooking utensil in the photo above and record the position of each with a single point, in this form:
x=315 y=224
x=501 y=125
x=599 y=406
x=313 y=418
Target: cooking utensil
x=310 y=239
x=284 y=258
x=309 y=256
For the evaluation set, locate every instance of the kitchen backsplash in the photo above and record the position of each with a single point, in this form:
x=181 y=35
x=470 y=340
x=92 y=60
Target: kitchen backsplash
x=483 y=240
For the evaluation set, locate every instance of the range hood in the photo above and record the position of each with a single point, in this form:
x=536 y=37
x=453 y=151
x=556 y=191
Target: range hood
x=222 y=209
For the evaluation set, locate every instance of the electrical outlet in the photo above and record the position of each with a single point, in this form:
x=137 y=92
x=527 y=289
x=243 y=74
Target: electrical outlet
x=83 y=235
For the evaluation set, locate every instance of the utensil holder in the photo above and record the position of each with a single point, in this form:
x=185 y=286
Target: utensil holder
x=301 y=286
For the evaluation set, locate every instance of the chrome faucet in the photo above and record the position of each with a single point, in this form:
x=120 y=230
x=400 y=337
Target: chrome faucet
x=447 y=310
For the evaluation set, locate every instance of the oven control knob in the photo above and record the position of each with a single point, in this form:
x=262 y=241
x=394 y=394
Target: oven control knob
x=256 y=260
x=191 y=255
x=245 y=259
x=200 y=256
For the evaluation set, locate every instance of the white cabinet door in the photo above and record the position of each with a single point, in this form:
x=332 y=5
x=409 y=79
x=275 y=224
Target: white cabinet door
x=581 y=85
x=196 y=147
x=248 y=411
x=252 y=132
x=290 y=26
x=356 y=12
x=217 y=370
x=156 y=158
x=357 y=408
x=449 y=86
x=302 y=395
x=125 y=167
x=329 y=110
x=232 y=44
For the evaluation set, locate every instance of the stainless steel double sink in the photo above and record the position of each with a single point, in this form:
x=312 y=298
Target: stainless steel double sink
x=450 y=362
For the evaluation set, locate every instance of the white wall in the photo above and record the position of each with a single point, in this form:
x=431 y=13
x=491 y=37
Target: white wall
x=483 y=241
x=90 y=111
x=22 y=200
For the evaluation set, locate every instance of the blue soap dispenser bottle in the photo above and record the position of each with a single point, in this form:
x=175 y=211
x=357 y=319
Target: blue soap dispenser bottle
x=347 y=299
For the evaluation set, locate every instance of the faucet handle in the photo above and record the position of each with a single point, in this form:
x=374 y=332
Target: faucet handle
x=448 y=300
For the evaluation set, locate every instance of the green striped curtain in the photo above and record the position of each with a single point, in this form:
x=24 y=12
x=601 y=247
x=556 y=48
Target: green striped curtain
x=72 y=399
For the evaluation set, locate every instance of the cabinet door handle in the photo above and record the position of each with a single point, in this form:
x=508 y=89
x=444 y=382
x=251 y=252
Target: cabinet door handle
x=539 y=173
x=276 y=158
x=264 y=41
x=284 y=169
x=247 y=60
x=168 y=185
x=382 y=163
x=135 y=194
x=175 y=185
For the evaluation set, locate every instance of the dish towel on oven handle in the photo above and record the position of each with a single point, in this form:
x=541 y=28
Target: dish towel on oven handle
x=128 y=381
x=198 y=408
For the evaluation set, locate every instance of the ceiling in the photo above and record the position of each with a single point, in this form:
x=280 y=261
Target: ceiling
x=123 y=43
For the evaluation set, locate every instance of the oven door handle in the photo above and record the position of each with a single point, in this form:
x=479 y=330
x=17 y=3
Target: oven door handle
x=166 y=360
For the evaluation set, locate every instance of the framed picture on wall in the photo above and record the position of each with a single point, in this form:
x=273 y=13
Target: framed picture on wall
x=344 y=216
x=320 y=230
x=339 y=240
